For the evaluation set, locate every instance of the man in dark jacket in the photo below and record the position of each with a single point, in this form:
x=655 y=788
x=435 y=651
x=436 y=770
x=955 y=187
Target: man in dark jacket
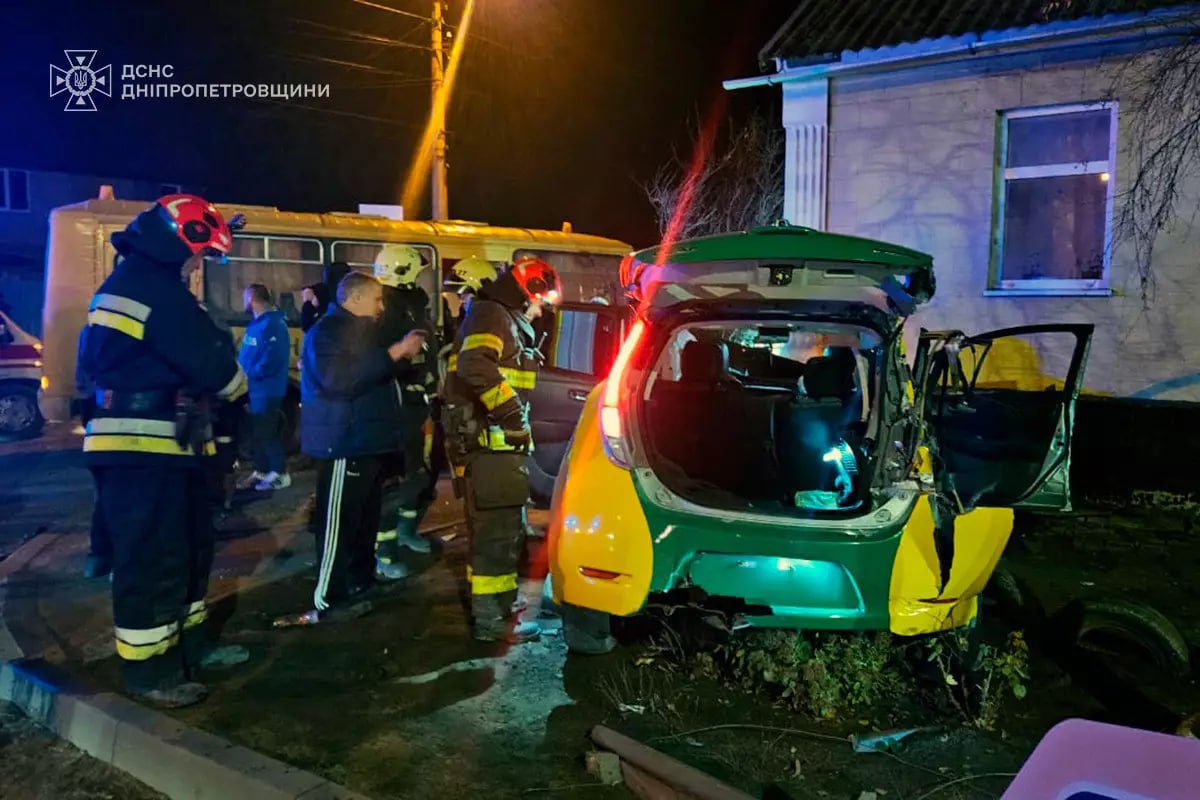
x=155 y=357
x=264 y=355
x=351 y=422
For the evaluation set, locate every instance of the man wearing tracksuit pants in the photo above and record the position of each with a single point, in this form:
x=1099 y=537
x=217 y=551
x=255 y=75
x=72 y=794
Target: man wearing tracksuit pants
x=351 y=424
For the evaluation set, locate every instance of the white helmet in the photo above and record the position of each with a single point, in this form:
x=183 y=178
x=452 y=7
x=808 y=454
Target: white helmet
x=398 y=265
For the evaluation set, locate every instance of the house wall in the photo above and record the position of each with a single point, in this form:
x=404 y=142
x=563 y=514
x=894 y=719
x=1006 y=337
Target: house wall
x=912 y=160
x=23 y=235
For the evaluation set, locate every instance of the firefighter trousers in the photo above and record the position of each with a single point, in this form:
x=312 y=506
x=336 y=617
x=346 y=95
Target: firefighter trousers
x=348 y=506
x=406 y=504
x=497 y=489
x=159 y=524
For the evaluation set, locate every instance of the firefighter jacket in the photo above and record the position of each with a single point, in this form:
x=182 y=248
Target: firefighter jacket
x=491 y=370
x=404 y=311
x=149 y=350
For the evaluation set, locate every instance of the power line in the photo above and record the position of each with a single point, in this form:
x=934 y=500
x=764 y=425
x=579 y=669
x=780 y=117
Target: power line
x=348 y=64
x=369 y=4
x=337 y=112
x=361 y=36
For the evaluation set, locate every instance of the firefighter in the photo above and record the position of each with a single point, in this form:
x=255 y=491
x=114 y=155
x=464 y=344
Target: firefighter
x=154 y=356
x=467 y=277
x=406 y=309
x=492 y=368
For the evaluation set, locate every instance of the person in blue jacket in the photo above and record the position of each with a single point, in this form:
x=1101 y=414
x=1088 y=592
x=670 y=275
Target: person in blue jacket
x=265 y=353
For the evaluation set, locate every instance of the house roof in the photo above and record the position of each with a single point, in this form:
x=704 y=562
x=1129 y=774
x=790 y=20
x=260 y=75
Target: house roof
x=820 y=29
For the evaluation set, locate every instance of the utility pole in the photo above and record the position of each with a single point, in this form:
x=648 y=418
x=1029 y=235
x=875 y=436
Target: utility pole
x=440 y=201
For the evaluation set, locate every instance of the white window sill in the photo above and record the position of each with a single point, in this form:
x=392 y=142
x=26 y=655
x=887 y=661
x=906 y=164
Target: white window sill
x=1050 y=292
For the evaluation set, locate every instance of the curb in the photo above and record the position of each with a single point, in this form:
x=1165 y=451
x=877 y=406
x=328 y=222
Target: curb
x=165 y=754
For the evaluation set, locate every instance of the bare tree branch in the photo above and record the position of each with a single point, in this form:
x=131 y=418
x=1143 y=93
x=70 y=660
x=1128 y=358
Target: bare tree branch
x=740 y=186
x=1160 y=92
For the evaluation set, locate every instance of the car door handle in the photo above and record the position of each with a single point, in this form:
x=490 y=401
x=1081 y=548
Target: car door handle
x=577 y=394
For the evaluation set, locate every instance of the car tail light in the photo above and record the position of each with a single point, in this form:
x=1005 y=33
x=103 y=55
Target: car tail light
x=611 y=422
x=599 y=574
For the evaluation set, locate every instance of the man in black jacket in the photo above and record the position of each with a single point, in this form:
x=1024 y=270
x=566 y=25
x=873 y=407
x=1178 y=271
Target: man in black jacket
x=351 y=421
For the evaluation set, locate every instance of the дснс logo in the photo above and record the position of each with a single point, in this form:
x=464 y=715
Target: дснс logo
x=80 y=80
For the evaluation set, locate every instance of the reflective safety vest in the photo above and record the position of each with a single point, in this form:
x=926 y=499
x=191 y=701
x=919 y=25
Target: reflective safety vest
x=490 y=372
x=147 y=346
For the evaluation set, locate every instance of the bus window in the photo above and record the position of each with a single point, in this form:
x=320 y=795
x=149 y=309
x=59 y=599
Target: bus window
x=360 y=256
x=285 y=265
x=585 y=276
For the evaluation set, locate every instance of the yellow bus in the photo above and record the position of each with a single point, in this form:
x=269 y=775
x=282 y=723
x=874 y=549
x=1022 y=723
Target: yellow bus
x=287 y=251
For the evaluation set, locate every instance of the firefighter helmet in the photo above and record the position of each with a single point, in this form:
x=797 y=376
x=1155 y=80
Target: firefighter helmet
x=538 y=280
x=471 y=273
x=398 y=265
x=195 y=221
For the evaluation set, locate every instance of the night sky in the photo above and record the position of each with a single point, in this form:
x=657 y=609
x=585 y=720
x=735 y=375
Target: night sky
x=563 y=106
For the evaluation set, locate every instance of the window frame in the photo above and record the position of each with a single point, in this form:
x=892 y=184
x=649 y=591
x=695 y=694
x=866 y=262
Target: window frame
x=6 y=196
x=996 y=286
x=233 y=317
x=599 y=311
x=174 y=188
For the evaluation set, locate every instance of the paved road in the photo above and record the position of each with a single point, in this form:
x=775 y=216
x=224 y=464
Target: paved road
x=42 y=492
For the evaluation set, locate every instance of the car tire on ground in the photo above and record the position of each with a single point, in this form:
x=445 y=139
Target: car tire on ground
x=20 y=417
x=587 y=632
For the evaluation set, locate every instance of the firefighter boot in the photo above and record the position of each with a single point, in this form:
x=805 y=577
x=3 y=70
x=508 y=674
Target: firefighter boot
x=180 y=695
x=492 y=623
x=406 y=532
x=388 y=564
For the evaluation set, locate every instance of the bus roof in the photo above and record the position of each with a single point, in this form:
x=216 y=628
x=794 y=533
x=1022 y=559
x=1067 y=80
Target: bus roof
x=272 y=220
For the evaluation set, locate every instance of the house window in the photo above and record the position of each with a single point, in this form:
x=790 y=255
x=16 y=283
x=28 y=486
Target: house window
x=169 y=188
x=14 y=190
x=1052 y=228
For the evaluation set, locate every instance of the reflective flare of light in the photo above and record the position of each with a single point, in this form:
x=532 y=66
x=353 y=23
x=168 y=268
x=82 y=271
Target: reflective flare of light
x=418 y=171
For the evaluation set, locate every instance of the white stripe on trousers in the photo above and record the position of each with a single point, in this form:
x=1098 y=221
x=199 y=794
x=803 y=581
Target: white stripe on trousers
x=333 y=514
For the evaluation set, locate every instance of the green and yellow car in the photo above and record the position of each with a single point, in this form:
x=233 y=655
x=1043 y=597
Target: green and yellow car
x=763 y=446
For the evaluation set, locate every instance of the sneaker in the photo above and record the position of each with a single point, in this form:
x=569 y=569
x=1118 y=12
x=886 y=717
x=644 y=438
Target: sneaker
x=179 y=696
x=272 y=481
x=390 y=570
x=250 y=481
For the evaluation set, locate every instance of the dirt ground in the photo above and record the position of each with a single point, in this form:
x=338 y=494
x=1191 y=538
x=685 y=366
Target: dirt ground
x=36 y=765
x=402 y=703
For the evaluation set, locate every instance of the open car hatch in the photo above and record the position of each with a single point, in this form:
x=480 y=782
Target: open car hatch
x=996 y=411
x=779 y=263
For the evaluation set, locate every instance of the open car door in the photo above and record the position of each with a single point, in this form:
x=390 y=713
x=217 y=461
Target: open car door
x=997 y=412
x=578 y=342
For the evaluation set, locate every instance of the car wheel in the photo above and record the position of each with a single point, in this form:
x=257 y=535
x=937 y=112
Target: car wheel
x=587 y=632
x=19 y=413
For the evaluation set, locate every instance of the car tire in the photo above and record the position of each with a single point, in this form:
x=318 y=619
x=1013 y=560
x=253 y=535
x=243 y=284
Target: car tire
x=587 y=632
x=20 y=417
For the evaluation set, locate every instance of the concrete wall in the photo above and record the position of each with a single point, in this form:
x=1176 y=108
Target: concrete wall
x=23 y=235
x=912 y=161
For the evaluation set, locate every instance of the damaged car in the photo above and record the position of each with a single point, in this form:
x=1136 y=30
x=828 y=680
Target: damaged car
x=764 y=447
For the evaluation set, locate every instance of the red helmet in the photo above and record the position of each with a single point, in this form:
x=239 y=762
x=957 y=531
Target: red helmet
x=538 y=280
x=197 y=223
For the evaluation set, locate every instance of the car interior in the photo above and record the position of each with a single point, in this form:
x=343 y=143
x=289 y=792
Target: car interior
x=993 y=435
x=738 y=416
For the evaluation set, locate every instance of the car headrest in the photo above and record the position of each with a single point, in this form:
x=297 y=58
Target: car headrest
x=704 y=362
x=831 y=375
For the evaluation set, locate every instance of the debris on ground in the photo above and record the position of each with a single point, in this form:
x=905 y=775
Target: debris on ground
x=604 y=766
x=881 y=741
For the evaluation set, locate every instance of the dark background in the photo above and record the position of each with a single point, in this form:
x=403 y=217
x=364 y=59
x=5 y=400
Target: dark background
x=562 y=109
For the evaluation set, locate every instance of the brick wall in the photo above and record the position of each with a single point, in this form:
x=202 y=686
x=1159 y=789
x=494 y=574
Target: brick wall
x=912 y=161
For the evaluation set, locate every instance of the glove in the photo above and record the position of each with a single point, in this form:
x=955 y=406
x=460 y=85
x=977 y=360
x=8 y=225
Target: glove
x=516 y=429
